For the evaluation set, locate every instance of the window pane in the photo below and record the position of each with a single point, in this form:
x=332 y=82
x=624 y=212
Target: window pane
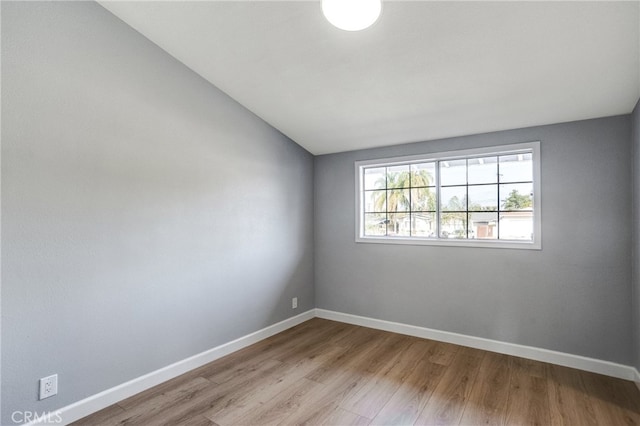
x=423 y=225
x=398 y=177
x=399 y=225
x=483 y=197
x=483 y=170
x=375 y=224
x=453 y=172
x=516 y=168
x=423 y=174
x=516 y=226
x=516 y=196
x=453 y=225
x=453 y=198
x=461 y=198
x=483 y=226
x=398 y=200
x=375 y=178
x=423 y=199
x=375 y=201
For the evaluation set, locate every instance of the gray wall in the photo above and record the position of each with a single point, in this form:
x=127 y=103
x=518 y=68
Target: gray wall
x=146 y=216
x=572 y=296
x=635 y=141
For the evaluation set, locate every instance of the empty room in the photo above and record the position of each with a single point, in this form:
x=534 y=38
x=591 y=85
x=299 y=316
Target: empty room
x=336 y=212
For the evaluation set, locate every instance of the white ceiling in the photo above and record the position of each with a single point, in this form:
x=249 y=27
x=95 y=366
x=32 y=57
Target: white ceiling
x=425 y=70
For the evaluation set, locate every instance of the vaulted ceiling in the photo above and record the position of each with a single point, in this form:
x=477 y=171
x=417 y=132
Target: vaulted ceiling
x=425 y=70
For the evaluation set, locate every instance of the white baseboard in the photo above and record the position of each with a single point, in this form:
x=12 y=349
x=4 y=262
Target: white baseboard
x=97 y=402
x=560 y=358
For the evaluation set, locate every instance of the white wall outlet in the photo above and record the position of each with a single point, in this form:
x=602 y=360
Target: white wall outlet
x=48 y=386
x=294 y=303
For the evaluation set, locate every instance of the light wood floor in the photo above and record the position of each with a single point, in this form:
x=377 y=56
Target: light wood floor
x=325 y=372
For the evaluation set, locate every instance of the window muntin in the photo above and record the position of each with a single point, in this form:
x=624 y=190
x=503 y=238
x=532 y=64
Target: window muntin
x=486 y=197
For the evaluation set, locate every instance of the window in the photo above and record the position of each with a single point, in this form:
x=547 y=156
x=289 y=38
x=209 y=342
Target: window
x=486 y=197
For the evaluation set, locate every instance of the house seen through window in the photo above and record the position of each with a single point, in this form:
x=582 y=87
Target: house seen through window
x=484 y=197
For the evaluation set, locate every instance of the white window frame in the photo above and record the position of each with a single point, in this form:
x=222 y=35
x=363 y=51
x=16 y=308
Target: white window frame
x=527 y=147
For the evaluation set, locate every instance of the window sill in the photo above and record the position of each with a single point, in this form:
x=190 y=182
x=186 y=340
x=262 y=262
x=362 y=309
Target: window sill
x=414 y=241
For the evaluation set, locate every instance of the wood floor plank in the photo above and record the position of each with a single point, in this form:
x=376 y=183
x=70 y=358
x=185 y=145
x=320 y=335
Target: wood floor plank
x=442 y=353
x=177 y=396
x=298 y=348
x=352 y=358
x=612 y=399
x=320 y=405
x=569 y=403
x=448 y=401
x=316 y=408
x=340 y=332
x=313 y=346
x=390 y=346
x=212 y=396
x=348 y=380
x=528 y=402
x=528 y=366
x=236 y=405
x=152 y=403
x=370 y=399
x=488 y=399
x=279 y=407
x=327 y=373
x=272 y=348
x=196 y=421
x=356 y=336
x=345 y=418
x=143 y=397
x=410 y=399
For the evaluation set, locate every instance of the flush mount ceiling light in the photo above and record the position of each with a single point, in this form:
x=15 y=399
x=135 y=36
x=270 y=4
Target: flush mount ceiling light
x=352 y=15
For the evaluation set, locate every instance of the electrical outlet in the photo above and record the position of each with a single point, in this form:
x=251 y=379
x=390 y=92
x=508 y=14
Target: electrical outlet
x=294 y=303
x=48 y=386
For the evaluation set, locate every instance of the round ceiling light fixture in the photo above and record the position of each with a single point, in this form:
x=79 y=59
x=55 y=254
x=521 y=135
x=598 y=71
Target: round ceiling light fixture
x=352 y=15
